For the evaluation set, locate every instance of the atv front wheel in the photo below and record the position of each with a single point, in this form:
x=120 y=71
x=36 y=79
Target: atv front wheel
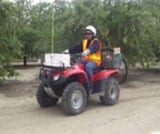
x=111 y=92
x=74 y=98
x=43 y=99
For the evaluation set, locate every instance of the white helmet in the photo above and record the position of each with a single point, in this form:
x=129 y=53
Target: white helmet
x=92 y=29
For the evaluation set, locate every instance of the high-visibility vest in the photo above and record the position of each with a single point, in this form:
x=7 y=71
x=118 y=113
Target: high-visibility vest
x=96 y=57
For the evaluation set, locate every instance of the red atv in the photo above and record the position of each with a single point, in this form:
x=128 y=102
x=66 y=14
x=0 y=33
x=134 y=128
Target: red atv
x=70 y=83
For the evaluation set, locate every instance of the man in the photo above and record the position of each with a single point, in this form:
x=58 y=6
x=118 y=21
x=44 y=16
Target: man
x=90 y=48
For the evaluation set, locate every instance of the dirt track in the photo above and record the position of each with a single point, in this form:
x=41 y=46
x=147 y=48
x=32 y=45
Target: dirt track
x=138 y=111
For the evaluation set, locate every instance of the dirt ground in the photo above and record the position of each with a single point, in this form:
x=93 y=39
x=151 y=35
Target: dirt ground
x=138 y=110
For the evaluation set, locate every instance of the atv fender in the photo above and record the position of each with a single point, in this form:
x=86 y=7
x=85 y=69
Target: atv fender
x=76 y=72
x=104 y=74
x=101 y=78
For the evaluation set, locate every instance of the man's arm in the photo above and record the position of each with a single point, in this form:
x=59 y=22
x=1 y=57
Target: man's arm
x=94 y=47
x=76 y=49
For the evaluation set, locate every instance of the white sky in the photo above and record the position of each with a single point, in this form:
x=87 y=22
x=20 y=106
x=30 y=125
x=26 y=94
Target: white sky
x=36 y=1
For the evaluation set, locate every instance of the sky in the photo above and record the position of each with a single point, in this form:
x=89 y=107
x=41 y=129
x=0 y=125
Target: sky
x=36 y=1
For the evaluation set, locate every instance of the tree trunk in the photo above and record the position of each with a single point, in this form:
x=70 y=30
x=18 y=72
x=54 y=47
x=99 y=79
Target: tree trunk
x=25 y=60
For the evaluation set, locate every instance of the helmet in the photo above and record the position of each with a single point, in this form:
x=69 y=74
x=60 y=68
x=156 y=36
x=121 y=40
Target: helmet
x=92 y=29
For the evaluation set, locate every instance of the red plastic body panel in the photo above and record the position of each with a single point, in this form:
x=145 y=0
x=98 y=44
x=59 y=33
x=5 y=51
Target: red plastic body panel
x=78 y=69
x=104 y=74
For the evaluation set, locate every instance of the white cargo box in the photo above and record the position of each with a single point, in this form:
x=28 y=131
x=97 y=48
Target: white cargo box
x=117 y=50
x=57 y=60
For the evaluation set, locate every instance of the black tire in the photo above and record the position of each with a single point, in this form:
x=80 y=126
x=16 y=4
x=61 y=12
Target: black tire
x=121 y=65
x=43 y=99
x=111 y=92
x=74 y=92
x=123 y=70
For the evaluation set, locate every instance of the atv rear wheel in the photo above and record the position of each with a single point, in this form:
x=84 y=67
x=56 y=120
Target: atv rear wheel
x=43 y=99
x=123 y=71
x=74 y=98
x=111 y=92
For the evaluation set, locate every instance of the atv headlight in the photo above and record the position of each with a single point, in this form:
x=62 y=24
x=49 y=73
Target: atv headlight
x=56 y=77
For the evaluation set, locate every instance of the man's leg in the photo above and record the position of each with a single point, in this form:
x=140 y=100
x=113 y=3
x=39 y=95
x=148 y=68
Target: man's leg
x=89 y=67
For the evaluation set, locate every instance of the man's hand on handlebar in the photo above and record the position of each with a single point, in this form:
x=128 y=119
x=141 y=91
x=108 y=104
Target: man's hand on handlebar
x=85 y=53
x=66 y=51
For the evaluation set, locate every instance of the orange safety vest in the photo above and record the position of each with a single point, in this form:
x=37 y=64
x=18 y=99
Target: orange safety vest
x=96 y=57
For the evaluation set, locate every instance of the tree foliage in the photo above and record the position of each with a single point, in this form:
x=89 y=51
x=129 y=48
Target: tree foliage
x=25 y=28
x=9 y=42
